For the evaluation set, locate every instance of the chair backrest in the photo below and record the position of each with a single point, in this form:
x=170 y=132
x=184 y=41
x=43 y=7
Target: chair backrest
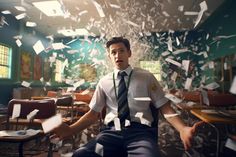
x=52 y=94
x=64 y=101
x=47 y=108
x=83 y=97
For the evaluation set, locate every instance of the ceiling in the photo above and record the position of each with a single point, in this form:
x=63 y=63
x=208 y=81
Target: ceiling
x=121 y=16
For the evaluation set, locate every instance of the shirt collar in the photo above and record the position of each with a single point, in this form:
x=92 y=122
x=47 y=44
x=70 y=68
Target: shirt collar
x=127 y=70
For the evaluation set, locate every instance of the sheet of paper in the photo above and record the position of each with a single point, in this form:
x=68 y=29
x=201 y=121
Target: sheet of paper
x=205 y=97
x=173 y=62
x=58 y=46
x=132 y=23
x=99 y=149
x=32 y=114
x=16 y=111
x=188 y=83
x=212 y=86
x=230 y=144
x=142 y=99
x=127 y=123
x=181 y=8
x=20 y=16
x=30 y=24
x=6 y=12
x=38 y=47
x=99 y=8
x=170 y=115
x=85 y=92
x=117 y=124
x=191 y=13
x=211 y=65
x=173 y=98
x=203 y=6
x=169 y=44
x=51 y=123
x=20 y=8
x=233 y=86
x=25 y=84
x=174 y=76
x=18 y=43
x=79 y=83
x=185 y=65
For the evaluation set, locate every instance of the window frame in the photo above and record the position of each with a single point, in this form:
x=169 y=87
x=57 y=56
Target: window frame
x=151 y=67
x=9 y=65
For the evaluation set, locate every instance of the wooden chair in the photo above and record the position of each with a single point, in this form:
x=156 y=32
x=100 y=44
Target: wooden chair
x=52 y=94
x=65 y=106
x=47 y=108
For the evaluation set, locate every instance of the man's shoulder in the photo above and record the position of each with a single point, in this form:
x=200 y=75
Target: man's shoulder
x=138 y=70
x=106 y=77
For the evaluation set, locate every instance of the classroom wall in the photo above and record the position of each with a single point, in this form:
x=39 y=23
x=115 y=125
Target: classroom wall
x=84 y=50
x=8 y=32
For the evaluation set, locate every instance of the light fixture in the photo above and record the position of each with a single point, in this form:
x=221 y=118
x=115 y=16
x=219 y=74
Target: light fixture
x=76 y=32
x=50 y=8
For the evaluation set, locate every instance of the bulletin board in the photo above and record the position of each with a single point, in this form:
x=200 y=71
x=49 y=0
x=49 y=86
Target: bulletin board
x=25 y=68
x=37 y=67
x=87 y=72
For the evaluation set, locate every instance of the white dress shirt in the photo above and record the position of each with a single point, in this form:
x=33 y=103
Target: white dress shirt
x=142 y=84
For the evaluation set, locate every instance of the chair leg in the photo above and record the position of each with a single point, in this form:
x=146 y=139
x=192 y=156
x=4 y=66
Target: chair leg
x=20 y=149
x=50 y=151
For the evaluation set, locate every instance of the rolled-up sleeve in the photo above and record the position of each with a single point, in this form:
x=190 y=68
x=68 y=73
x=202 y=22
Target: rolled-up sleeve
x=98 y=100
x=156 y=92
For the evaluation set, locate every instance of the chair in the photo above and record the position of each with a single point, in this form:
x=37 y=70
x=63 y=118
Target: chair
x=47 y=108
x=52 y=94
x=83 y=97
x=66 y=104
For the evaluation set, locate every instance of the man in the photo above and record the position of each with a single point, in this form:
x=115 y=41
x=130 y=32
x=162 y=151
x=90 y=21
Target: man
x=128 y=119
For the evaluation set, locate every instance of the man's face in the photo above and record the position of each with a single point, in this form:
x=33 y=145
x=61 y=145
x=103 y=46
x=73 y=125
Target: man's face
x=119 y=55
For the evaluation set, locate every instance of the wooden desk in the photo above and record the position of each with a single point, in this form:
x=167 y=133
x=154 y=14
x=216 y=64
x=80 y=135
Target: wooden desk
x=40 y=97
x=21 y=140
x=212 y=119
x=185 y=106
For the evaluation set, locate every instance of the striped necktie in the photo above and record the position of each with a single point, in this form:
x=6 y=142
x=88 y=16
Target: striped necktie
x=123 y=108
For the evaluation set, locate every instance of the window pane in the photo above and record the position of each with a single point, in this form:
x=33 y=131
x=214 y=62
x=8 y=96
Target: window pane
x=5 y=62
x=152 y=66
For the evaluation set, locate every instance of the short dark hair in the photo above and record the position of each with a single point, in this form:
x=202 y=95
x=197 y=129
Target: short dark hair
x=115 y=40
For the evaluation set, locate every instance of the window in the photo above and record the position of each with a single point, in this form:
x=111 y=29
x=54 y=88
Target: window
x=5 y=62
x=58 y=71
x=152 y=66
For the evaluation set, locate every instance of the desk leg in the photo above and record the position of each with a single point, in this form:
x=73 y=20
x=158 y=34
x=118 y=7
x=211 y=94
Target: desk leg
x=217 y=139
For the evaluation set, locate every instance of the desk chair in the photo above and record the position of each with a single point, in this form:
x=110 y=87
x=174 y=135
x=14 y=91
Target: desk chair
x=65 y=106
x=47 y=108
x=52 y=94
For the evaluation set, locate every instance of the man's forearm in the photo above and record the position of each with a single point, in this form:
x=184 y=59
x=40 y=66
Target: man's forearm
x=175 y=121
x=85 y=121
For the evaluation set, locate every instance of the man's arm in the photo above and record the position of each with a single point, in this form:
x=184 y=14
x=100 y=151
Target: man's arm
x=186 y=133
x=65 y=131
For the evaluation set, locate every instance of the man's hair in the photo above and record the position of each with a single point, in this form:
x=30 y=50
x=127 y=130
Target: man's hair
x=115 y=40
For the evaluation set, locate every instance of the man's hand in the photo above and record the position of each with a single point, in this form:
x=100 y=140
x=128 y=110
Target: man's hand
x=187 y=133
x=63 y=131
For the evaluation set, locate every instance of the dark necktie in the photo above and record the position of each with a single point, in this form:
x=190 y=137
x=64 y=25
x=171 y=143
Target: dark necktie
x=123 y=108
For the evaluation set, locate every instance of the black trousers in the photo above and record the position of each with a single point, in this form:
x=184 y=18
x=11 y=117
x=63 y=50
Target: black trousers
x=137 y=140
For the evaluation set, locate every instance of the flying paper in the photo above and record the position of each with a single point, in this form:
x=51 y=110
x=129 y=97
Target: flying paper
x=51 y=123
